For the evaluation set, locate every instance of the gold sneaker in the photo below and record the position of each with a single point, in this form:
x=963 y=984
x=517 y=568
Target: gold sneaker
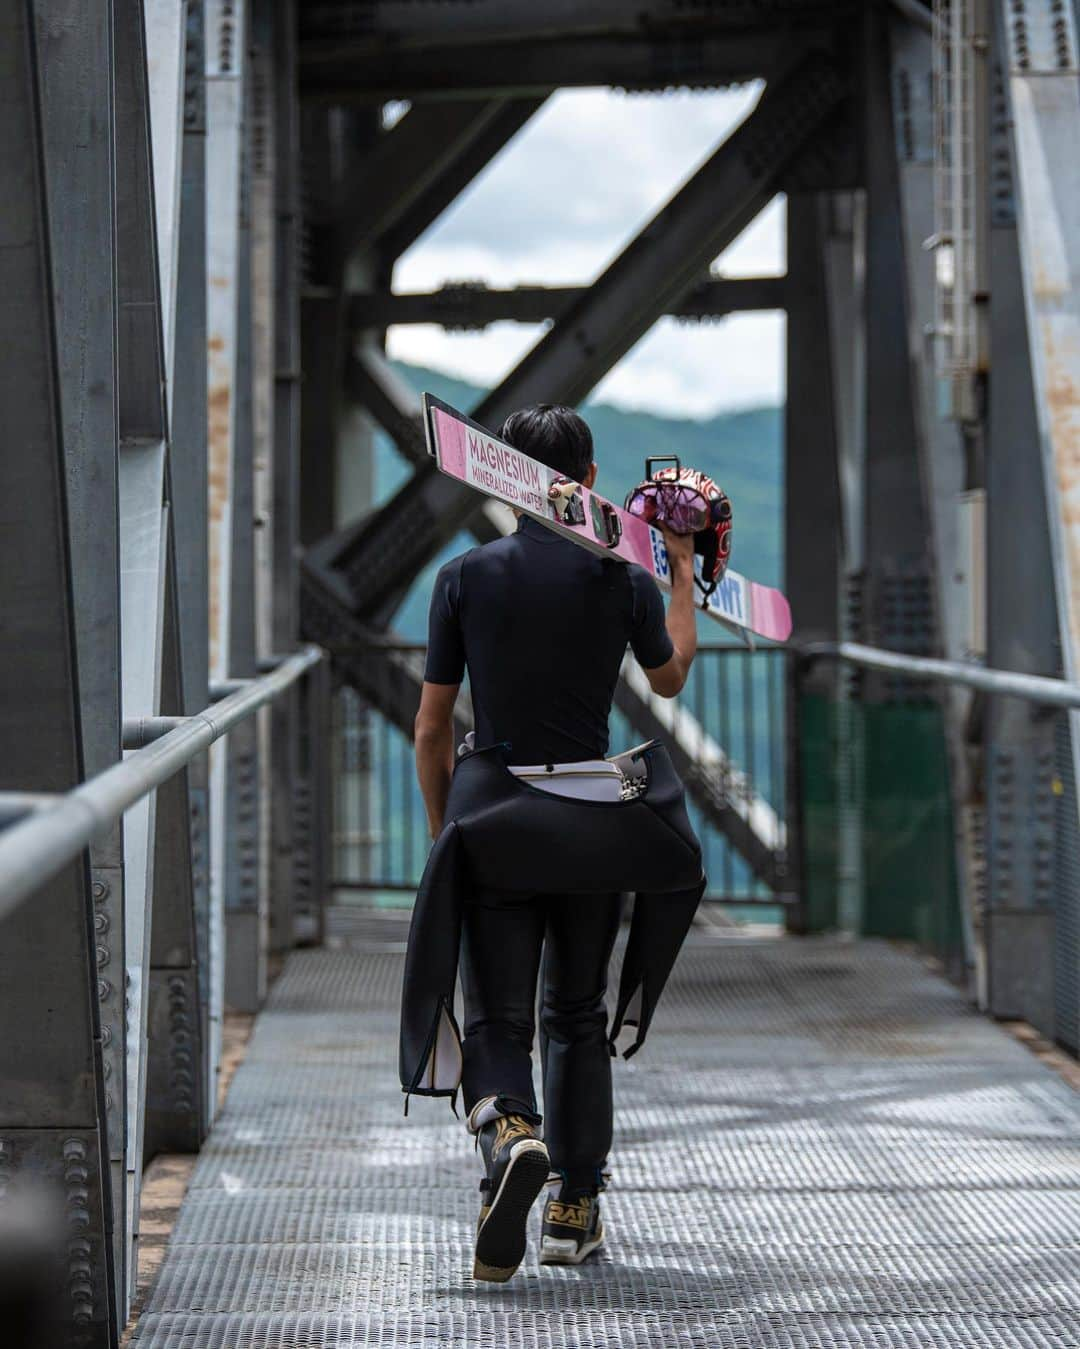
x=517 y=1163
x=572 y=1230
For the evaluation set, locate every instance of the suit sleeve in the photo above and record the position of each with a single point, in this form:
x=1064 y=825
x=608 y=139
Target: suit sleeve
x=649 y=639
x=446 y=647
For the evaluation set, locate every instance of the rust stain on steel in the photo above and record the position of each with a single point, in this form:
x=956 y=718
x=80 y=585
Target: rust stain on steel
x=1061 y=345
x=219 y=399
x=216 y=344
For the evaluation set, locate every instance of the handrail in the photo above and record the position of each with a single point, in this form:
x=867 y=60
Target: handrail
x=1036 y=688
x=38 y=847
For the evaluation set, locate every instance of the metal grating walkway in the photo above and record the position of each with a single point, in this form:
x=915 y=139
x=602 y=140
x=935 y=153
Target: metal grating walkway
x=820 y=1146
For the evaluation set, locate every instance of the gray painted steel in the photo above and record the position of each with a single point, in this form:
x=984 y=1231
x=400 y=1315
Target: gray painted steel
x=1021 y=635
x=898 y=609
x=821 y=1146
x=473 y=305
x=404 y=163
x=52 y=1072
x=485 y=21
x=454 y=176
x=77 y=92
x=813 y=537
x=1041 y=59
x=244 y=900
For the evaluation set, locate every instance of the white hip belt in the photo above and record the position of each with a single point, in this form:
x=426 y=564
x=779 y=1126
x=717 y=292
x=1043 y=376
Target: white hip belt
x=621 y=777
x=590 y=780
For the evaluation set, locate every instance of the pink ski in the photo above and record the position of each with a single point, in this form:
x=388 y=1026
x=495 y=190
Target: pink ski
x=464 y=450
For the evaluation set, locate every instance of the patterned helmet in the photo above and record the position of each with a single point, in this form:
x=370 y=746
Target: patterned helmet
x=688 y=502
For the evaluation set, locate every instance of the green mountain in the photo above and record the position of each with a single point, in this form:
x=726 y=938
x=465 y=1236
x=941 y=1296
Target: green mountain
x=742 y=451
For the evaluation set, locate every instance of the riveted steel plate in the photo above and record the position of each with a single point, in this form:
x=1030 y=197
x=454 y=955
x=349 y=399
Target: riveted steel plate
x=821 y=1145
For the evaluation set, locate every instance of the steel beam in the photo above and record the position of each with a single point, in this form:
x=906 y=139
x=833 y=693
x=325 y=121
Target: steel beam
x=943 y=452
x=845 y=250
x=284 y=623
x=176 y=1067
x=188 y=485
x=165 y=30
x=453 y=175
x=472 y=305
x=332 y=145
x=813 y=556
x=225 y=51
x=176 y=1070
x=52 y=1081
x=639 y=286
x=403 y=163
x=1021 y=635
x=245 y=918
x=76 y=46
x=813 y=531
x=388 y=22
x=263 y=168
x=341 y=71
x=899 y=610
x=143 y=532
x=1042 y=62
x=898 y=603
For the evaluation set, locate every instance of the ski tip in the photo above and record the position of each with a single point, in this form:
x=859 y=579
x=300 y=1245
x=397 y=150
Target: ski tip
x=772 y=613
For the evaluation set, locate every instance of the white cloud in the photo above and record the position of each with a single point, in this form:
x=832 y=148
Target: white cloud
x=559 y=203
x=695 y=371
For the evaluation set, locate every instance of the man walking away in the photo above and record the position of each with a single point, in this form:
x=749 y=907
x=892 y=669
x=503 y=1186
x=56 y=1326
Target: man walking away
x=542 y=626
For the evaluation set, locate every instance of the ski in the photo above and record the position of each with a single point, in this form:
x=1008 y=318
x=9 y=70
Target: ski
x=468 y=452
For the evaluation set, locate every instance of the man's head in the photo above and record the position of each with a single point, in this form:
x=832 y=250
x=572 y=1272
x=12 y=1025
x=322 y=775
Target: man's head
x=556 y=436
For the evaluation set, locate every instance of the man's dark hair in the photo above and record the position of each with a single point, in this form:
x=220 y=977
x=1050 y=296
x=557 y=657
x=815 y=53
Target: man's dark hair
x=556 y=436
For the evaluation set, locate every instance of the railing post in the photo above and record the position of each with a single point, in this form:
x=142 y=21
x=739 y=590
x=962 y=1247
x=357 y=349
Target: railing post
x=313 y=804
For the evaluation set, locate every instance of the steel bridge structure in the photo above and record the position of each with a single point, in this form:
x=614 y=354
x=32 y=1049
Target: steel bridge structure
x=201 y=207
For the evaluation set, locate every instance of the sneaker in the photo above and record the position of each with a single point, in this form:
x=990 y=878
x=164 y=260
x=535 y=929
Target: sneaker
x=572 y=1230
x=516 y=1159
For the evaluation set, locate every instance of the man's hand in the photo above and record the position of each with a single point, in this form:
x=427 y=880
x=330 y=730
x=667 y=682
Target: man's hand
x=680 y=551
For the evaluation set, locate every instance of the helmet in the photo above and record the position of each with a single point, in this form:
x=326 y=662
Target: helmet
x=687 y=501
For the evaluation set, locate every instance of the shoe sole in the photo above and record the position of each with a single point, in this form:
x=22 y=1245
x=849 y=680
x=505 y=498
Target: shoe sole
x=501 y=1240
x=550 y=1254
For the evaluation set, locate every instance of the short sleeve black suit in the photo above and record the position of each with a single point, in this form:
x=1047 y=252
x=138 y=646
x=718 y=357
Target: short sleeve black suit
x=543 y=627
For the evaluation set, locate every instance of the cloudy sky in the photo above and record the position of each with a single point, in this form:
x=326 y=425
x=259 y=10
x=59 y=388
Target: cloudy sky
x=559 y=202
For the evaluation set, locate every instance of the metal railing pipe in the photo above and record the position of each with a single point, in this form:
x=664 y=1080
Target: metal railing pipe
x=15 y=806
x=138 y=732
x=1035 y=688
x=33 y=851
